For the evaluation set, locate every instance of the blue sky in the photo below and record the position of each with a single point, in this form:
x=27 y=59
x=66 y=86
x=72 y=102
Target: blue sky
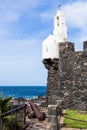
x=24 y=24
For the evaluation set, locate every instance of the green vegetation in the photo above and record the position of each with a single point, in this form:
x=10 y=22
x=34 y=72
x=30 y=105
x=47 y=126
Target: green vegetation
x=74 y=123
x=4 y=103
x=10 y=119
x=12 y=122
x=8 y=122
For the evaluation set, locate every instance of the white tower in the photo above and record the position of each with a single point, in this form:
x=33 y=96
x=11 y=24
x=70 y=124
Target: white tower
x=50 y=48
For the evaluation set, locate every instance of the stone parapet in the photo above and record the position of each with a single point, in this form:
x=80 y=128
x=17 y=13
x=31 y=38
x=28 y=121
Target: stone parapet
x=67 y=46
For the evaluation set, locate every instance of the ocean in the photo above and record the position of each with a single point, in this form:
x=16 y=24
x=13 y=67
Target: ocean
x=26 y=92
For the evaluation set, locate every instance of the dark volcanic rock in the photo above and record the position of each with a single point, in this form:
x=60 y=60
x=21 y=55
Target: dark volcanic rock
x=67 y=77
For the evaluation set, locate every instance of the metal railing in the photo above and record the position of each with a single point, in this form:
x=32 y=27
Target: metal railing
x=15 y=112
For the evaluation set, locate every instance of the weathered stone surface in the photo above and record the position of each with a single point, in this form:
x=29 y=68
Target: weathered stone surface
x=53 y=116
x=53 y=119
x=52 y=109
x=85 y=45
x=67 y=77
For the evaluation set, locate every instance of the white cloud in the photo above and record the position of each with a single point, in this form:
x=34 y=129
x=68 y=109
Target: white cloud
x=76 y=15
x=12 y=17
x=47 y=15
x=12 y=10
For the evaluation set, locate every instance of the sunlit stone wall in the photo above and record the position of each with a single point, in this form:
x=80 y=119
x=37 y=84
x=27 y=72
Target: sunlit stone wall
x=67 y=77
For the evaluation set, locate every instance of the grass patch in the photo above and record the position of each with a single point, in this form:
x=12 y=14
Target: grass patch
x=73 y=123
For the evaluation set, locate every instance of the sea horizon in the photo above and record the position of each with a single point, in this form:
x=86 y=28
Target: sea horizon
x=26 y=92
x=22 y=86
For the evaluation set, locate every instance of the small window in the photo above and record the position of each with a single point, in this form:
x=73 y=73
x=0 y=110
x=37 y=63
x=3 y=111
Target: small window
x=57 y=17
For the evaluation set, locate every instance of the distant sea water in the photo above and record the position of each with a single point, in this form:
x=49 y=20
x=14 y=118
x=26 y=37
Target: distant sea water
x=26 y=92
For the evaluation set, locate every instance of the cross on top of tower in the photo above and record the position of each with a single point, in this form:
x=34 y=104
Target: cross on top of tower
x=59 y=6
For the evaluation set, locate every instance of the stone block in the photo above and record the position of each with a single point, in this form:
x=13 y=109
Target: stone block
x=85 y=45
x=52 y=119
x=55 y=127
x=52 y=110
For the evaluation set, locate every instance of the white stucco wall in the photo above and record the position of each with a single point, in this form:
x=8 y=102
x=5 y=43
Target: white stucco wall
x=60 y=28
x=50 y=48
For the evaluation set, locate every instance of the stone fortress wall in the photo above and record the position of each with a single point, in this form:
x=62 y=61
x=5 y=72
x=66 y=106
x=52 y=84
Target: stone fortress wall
x=67 y=68
x=67 y=77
